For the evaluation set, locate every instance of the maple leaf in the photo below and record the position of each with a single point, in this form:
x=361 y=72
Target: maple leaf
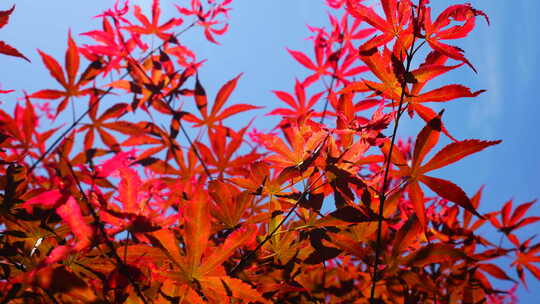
x=389 y=69
x=526 y=255
x=217 y=114
x=435 y=253
x=345 y=33
x=457 y=229
x=157 y=82
x=71 y=214
x=415 y=172
x=69 y=211
x=327 y=58
x=229 y=204
x=510 y=222
x=300 y=108
x=261 y=181
x=494 y=271
x=21 y=130
x=303 y=141
x=71 y=86
x=160 y=139
x=119 y=160
x=111 y=43
x=207 y=18
x=398 y=15
x=63 y=284
x=100 y=125
x=5 y=48
x=200 y=262
x=320 y=69
x=141 y=211
x=185 y=232
x=220 y=154
x=153 y=28
x=436 y=31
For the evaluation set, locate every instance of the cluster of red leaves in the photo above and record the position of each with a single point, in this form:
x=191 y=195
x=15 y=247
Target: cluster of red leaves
x=134 y=216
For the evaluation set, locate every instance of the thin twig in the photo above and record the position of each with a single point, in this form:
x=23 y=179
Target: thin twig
x=302 y=197
x=382 y=194
x=252 y=253
x=196 y=151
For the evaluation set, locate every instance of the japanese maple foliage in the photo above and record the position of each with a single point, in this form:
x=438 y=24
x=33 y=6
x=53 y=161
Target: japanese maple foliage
x=328 y=207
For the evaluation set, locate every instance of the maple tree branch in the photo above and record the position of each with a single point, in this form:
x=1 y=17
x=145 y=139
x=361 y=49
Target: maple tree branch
x=382 y=194
x=196 y=151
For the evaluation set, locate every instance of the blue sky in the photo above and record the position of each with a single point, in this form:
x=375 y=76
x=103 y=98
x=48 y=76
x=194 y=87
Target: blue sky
x=505 y=55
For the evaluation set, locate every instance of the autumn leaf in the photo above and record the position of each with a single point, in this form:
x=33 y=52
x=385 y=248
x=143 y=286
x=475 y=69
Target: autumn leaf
x=416 y=171
x=207 y=268
x=300 y=105
x=435 y=253
x=525 y=256
x=222 y=154
x=397 y=15
x=70 y=212
x=217 y=114
x=152 y=27
x=383 y=65
x=437 y=30
x=4 y=47
x=512 y=221
x=72 y=88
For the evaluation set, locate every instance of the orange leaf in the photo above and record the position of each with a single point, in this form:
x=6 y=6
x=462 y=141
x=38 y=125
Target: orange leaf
x=435 y=253
x=6 y=49
x=197 y=229
x=495 y=271
x=243 y=290
x=71 y=214
x=238 y=238
x=406 y=235
x=449 y=191
x=426 y=140
x=72 y=59
x=224 y=94
x=446 y=93
x=416 y=195
x=54 y=68
x=456 y=151
x=129 y=190
x=200 y=98
x=165 y=240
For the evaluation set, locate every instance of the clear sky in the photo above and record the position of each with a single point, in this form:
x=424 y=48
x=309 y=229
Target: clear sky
x=505 y=55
